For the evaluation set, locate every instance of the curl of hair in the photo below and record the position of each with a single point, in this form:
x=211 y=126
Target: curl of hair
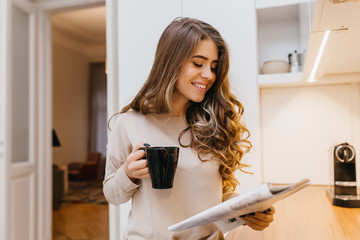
x=214 y=124
x=216 y=129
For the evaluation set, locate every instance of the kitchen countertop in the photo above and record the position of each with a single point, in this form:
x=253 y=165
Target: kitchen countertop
x=306 y=215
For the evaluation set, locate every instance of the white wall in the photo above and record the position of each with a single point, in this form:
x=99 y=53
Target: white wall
x=70 y=104
x=300 y=126
x=71 y=59
x=95 y=52
x=139 y=30
x=236 y=22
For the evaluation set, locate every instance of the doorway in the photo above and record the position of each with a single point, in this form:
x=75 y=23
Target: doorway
x=78 y=55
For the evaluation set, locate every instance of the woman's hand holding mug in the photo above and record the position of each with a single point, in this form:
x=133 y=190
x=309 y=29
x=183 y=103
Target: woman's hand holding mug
x=136 y=166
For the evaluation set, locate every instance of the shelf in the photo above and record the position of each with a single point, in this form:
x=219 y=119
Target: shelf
x=283 y=27
x=277 y=3
x=279 y=79
x=297 y=80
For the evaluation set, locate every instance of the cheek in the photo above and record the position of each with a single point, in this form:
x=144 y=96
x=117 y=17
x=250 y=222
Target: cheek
x=185 y=77
x=189 y=71
x=213 y=80
x=180 y=85
x=215 y=73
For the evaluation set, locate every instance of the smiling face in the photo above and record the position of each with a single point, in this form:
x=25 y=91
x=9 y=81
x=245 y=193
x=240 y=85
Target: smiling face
x=196 y=77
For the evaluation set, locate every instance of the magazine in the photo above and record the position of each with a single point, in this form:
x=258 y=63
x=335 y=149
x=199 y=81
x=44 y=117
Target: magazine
x=226 y=215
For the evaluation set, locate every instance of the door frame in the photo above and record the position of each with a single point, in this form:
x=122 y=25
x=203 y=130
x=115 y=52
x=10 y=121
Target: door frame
x=112 y=55
x=18 y=174
x=44 y=53
x=4 y=171
x=42 y=224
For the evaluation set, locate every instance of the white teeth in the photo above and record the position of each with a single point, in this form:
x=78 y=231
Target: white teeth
x=199 y=85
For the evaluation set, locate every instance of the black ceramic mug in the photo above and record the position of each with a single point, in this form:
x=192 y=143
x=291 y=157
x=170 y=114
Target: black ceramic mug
x=162 y=164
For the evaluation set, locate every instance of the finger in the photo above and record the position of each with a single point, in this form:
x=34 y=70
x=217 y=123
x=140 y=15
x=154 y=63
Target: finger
x=143 y=172
x=138 y=146
x=145 y=146
x=137 y=165
x=128 y=171
x=257 y=221
x=271 y=210
x=147 y=175
x=140 y=164
x=135 y=156
x=254 y=226
x=265 y=217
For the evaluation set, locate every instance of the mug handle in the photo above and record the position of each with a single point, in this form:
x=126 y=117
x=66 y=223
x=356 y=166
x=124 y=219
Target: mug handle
x=146 y=145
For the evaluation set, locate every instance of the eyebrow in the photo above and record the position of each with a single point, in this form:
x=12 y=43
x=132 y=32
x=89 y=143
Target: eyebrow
x=203 y=57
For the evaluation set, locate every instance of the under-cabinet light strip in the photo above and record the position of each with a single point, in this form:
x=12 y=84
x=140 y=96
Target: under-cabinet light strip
x=319 y=55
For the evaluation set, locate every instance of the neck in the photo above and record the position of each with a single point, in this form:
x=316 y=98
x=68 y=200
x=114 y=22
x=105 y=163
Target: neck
x=179 y=105
x=177 y=112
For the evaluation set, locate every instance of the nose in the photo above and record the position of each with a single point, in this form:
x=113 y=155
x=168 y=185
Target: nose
x=207 y=73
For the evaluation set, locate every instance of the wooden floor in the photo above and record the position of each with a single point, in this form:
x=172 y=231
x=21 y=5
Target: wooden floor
x=81 y=222
x=307 y=215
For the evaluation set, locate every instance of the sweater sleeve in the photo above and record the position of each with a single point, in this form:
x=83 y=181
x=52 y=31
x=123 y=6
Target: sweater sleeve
x=117 y=186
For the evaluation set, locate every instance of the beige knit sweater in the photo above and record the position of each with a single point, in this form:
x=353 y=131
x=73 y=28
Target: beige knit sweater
x=197 y=184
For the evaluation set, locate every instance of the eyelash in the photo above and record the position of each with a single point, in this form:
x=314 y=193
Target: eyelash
x=200 y=65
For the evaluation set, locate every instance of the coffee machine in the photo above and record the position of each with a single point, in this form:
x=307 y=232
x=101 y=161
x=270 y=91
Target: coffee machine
x=344 y=190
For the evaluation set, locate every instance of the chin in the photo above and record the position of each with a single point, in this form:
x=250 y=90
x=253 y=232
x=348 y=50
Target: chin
x=197 y=100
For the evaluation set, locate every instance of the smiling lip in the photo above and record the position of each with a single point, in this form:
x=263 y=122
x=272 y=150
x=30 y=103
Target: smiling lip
x=201 y=87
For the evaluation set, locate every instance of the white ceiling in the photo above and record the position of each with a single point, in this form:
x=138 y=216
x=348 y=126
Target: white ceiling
x=87 y=25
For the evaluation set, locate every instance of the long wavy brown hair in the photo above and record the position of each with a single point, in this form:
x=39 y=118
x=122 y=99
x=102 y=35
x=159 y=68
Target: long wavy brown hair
x=215 y=124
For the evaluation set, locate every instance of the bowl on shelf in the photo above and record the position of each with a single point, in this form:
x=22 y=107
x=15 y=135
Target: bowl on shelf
x=275 y=66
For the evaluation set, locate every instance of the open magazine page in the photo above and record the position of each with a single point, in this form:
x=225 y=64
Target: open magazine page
x=224 y=209
x=226 y=214
x=227 y=224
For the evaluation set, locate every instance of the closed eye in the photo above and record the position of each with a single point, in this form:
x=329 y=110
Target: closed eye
x=200 y=65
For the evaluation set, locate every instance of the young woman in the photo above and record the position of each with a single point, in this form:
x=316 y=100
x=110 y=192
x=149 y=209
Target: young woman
x=185 y=102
